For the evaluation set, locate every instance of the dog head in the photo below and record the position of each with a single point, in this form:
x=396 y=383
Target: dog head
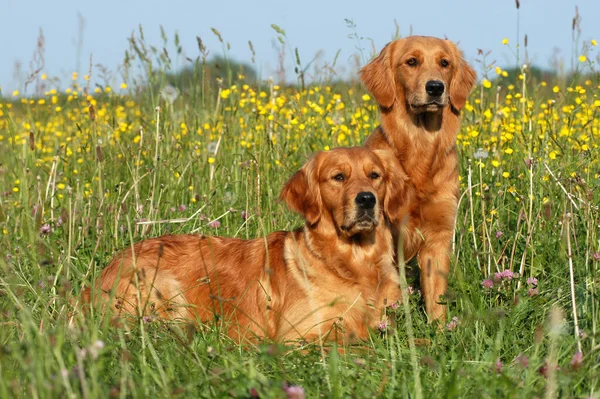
x=351 y=188
x=424 y=73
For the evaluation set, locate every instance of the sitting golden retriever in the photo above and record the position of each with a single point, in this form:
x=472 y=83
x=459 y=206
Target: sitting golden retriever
x=336 y=273
x=421 y=84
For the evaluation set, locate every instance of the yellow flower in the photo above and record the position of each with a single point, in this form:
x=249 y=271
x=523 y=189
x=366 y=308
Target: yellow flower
x=594 y=42
x=15 y=93
x=211 y=160
x=552 y=155
x=61 y=186
x=123 y=85
x=506 y=174
x=44 y=76
x=505 y=41
x=582 y=58
x=366 y=97
x=495 y=163
x=556 y=89
x=225 y=93
x=74 y=76
x=508 y=151
x=486 y=83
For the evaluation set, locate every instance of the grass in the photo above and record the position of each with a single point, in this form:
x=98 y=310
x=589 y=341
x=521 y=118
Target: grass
x=85 y=172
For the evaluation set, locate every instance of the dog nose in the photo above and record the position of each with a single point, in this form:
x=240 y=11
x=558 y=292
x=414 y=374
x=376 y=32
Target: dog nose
x=434 y=87
x=365 y=200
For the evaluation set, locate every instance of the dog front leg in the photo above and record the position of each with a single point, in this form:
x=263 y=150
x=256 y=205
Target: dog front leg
x=434 y=263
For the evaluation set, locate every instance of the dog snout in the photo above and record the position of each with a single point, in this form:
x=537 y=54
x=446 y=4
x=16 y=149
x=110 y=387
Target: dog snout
x=365 y=200
x=434 y=87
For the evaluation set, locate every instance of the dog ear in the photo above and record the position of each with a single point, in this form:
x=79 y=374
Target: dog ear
x=378 y=78
x=463 y=80
x=397 y=189
x=301 y=193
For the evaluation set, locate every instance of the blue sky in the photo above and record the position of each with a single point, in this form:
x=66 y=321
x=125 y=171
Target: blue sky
x=310 y=25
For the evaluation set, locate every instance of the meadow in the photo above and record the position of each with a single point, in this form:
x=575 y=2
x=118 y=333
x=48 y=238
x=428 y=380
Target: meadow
x=87 y=169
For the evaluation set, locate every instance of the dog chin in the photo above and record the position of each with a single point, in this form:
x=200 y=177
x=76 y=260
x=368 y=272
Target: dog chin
x=429 y=107
x=359 y=227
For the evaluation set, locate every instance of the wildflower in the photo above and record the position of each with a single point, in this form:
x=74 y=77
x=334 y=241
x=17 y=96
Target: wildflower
x=505 y=41
x=533 y=291
x=545 y=368
x=253 y=393
x=214 y=224
x=95 y=348
x=486 y=83
x=123 y=85
x=508 y=275
x=499 y=234
x=169 y=94
x=383 y=325
x=211 y=160
x=487 y=284
x=577 y=360
x=532 y=281
x=480 y=154
x=498 y=366
x=225 y=94
x=147 y=319
x=15 y=93
x=366 y=97
x=453 y=324
x=211 y=147
x=582 y=58
x=182 y=208
x=596 y=256
x=294 y=392
x=522 y=360
x=244 y=215
x=394 y=305
x=45 y=229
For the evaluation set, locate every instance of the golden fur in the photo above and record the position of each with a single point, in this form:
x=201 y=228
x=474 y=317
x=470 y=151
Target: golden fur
x=421 y=128
x=334 y=274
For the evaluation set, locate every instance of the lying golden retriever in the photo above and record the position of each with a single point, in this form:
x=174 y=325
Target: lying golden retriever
x=421 y=84
x=336 y=273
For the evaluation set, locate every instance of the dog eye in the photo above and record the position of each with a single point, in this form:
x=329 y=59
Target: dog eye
x=444 y=63
x=339 y=177
x=375 y=175
x=411 y=61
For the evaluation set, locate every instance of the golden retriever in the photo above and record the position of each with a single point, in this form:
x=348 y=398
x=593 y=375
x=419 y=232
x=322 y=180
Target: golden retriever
x=421 y=84
x=336 y=273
